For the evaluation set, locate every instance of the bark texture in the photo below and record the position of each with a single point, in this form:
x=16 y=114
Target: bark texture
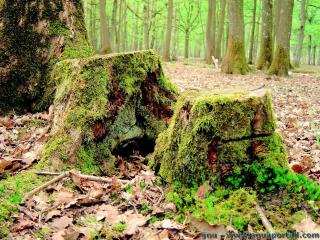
x=235 y=61
x=34 y=36
x=281 y=61
x=106 y=103
x=250 y=60
x=265 y=54
x=104 y=29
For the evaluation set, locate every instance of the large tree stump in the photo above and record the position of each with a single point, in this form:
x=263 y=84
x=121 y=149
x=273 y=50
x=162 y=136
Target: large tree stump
x=34 y=36
x=104 y=104
x=226 y=139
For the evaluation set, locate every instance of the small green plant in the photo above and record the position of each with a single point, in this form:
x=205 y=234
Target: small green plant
x=119 y=227
x=316 y=131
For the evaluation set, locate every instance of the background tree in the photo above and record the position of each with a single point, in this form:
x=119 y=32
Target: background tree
x=254 y=10
x=281 y=60
x=220 y=29
x=167 y=44
x=303 y=16
x=210 y=30
x=265 y=54
x=235 y=61
x=104 y=29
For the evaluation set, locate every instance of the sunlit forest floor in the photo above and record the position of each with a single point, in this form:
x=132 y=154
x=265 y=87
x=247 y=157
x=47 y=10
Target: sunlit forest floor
x=296 y=101
x=82 y=209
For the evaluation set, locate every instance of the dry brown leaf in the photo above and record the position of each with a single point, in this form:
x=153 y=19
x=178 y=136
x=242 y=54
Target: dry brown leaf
x=61 y=223
x=203 y=226
x=167 y=224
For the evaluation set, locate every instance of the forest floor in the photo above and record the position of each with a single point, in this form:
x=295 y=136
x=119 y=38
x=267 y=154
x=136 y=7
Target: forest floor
x=77 y=207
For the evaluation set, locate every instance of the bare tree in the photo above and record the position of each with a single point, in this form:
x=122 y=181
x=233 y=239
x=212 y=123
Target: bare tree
x=235 y=60
x=188 y=21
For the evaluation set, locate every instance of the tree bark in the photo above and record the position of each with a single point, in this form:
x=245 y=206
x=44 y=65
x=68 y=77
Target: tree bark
x=186 y=44
x=235 y=60
x=250 y=59
x=314 y=55
x=220 y=29
x=104 y=29
x=34 y=36
x=124 y=36
x=175 y=38
x=303 y=13
x=146 y=23
x=167 y=43
x=266 y=51
x=309 y=50
x=277 y=9
x=114 y=23
x=281 y=61
x=209 y=31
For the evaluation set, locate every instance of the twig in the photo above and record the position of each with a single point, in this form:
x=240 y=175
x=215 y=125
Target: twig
x=161 y=196
x=44 y=186
x=96 y=178
x=48 y=173
x=264 y=219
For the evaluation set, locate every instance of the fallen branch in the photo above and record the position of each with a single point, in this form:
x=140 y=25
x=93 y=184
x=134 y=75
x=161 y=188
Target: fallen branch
x=44 y=186
x=264 y=220
x=48 y=173
x=96 y=178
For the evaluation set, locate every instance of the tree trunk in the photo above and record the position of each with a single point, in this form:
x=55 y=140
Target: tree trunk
x=209 y=32
x=119 y=27
x=281 y=61
x=277 y=9
x=136 y=35
x=114 y=23
x=220 y=29
x=318 y=56
x=34 y=36
x=167 y=43
x=314 y=55
x=250 y=60
x=146 y=23
x=303 y=13
x=124 y=36
x=104 y=29
x=309 y=50
x=107 y=115
x=235 y=60
x=94 y=28
x=175 y=38
x=266 y=51
x=186 y=44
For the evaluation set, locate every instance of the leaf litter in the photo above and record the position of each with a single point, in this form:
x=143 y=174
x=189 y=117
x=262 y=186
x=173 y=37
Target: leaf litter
x=82 y=209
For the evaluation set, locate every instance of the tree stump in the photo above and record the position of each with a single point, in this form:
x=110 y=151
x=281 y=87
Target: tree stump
x=227 y=139
x=34 y=36
x=107 y=105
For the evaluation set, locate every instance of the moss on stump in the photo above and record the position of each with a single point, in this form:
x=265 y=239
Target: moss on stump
x=34 y=36
x=103 y=103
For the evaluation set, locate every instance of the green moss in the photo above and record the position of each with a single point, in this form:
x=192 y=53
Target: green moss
x=57 y=147
x=58 y=28
x=12 y=190
x=119 y=227
x=35 y=122
x=86 y=160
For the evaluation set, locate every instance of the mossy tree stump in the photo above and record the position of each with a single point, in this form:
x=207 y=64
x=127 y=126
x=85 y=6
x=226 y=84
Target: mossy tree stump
x=224 y=138
x=34 y=36
x=104 y=103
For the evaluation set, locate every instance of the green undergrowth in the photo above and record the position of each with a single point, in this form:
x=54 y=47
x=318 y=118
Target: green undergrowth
x=12 y=190
x=286 y=198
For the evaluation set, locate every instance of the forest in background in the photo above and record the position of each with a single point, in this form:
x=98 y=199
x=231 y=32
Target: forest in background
x=128 y=25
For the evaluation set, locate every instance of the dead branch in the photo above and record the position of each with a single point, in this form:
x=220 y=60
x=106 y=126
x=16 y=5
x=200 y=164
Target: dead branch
x=264 y=219
x=44 y=186
x=96 y=178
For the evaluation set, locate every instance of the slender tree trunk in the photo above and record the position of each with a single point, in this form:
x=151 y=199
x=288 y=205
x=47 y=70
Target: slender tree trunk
x=104 y=29
x=235 y=60
x=256 y=39
x=118 y=29
x=318 y=56
x=220 y=29
x=309 y=50
x=186 y=44
x=114 y=23
x=314 y=55
x=281 y=61
x=146 y=23
x=250 y=60
x=303 y=13
x=136 y=34
x=167 y=43
x=277 y=9
x=94 y=30
x=266 y=51
x=175 y=38
x=124 y=37
x=209 y=35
